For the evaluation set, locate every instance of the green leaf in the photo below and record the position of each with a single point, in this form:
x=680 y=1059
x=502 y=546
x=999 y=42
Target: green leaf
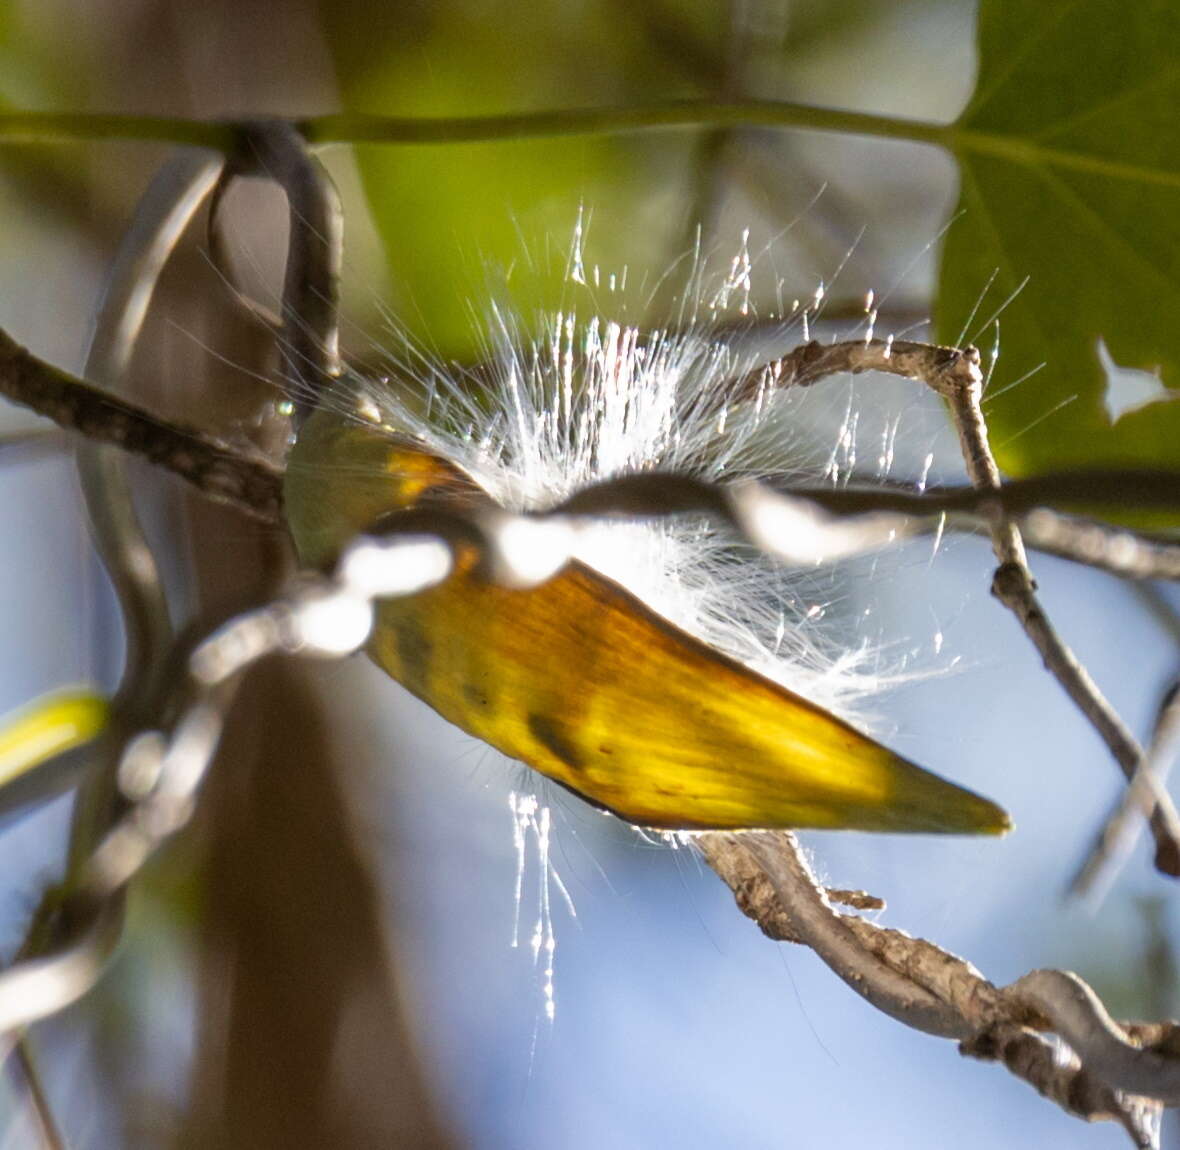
x=1069 y=154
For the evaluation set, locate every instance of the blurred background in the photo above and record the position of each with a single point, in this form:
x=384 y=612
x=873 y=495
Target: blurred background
x=326 y=958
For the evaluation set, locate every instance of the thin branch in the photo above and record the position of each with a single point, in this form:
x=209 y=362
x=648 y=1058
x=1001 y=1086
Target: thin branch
x=356 y=129
x=81 y=127
x=1089 y=489
x=1101 y=546
x=222 y=472
x=309 y=341
x=1101 y=1076
x=1015 y=587
x=1077 y=1015
x=349 y=128
x=1117 y=838
x=966 y=1001
x=44 y=979
x=1097 y=545
x=1121 y=552
x=225 y=135
x=1060 y=1077
x=164 y=212
x=811 y=362
x=49 y=1136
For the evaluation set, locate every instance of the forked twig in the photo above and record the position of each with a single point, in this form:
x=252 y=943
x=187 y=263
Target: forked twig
x=960 y=382
x=955 y=374
x=1111 y=1071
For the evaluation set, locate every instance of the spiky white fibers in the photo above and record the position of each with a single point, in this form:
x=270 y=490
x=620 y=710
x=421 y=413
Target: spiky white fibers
x=590 y=399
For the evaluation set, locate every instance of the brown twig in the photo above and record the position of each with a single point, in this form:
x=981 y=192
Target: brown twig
x=1102 y=487
x=1112 y=1071
x=1119 y=551
x=1013 y=584
x=275 y=150
x=1059 y=1077
x=224 y=473
x=810 y=362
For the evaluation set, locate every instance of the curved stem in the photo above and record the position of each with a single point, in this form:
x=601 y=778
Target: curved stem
x=1079 y=1017
x=80 y=127
x=353 y=128
x=357 y=128
x=164 y=212
x=309 y=341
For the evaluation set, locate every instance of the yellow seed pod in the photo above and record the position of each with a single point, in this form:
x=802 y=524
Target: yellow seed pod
x=582 y=681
